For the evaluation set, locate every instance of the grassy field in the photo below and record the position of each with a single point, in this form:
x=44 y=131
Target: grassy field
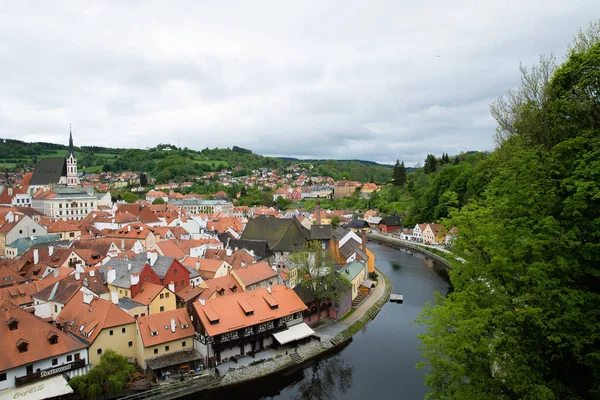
x=6 y=166
x=212 y=163
x=95 y=168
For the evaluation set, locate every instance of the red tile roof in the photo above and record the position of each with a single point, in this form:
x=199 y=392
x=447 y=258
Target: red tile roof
x=85 y=321
x=255 y=273
x=165 y=327
x=35 y=332
x=228 y=311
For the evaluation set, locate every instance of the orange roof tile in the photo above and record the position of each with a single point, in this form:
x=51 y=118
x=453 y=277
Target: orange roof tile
x=165 y=327
x=148 y=293
x=254 y=273
x=33 y=331
x=229 y=310
x=85 y=321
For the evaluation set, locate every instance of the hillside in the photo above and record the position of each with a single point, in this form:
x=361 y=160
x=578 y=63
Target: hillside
x=167 y=162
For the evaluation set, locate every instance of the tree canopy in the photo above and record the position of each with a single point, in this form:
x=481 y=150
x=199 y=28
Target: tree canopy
x=108 y=377
x=523 y=320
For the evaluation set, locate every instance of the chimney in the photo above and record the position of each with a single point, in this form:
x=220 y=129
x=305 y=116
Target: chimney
x=122 y=244
x=114 y=297
x=135 y=279
x=269 y=289
x=10 y=191
x=363 y=245
x=202 y=301
x=92 y=273
x=128 y=266
x=318 y=213
x=197 y=265
x=56 y=272
x=228 y=252
x=77 y=276
x=171 y=286
x=36 y=256
x=173 y=325
x=128 y=228
x=87 y=298
x=50 y=250
x=111 y=275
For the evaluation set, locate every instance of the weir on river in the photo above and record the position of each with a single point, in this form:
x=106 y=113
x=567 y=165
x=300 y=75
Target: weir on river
x=380 y=361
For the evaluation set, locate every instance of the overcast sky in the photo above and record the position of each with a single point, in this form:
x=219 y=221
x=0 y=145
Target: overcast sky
x=371 y=80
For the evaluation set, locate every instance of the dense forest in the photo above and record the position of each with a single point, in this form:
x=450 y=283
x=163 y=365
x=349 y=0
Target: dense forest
x=523 y=321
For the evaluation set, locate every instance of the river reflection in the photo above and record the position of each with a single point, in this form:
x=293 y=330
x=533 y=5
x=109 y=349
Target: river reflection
x=380 y=361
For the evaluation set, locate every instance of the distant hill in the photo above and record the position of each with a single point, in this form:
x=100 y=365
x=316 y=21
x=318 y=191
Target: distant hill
x=167 y=162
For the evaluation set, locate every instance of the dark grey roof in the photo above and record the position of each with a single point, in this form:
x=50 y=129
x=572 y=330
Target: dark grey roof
x=340 y=233
x=305 y=295
x=260 y=247
x=391 y=220
x=358 y=224
x=173 y=359
x=321 y=232
x=361 y=254
x=127 y=304
x=48 y=171
x=349 y=247
x=281 y=234
x=161 y=265
x=123 y=273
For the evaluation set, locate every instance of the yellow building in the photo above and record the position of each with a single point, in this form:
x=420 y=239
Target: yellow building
x=165 y=341
x=356 y=273
x=157 y=298
x=101 y=324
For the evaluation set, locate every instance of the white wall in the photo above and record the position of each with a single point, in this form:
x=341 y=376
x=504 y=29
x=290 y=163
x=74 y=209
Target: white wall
x=11 y=374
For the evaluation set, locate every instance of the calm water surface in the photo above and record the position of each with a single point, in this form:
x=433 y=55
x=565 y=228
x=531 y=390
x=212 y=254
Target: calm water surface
x=380 y=362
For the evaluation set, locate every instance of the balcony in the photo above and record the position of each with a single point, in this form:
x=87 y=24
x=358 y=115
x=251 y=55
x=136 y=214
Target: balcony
x=58 y=369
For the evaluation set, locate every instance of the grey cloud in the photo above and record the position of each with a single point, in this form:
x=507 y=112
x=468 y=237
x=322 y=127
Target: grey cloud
x=378 y=80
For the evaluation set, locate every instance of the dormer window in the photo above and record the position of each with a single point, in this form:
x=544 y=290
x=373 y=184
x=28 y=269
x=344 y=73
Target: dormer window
x=22 y=345
x=52 y=338
x=13 y=324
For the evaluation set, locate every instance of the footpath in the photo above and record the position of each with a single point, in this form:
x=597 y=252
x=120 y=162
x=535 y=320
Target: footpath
x=332 y=334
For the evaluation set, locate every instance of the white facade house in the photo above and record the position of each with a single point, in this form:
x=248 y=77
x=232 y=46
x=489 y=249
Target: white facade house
x=196 y=206
x=65 y=204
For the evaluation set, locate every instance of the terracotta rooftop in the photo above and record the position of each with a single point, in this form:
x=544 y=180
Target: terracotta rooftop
x=86 y=320
x=227 y=312
x=148 y=293
x=165 y=327
x=33 y=331
x=255 y=273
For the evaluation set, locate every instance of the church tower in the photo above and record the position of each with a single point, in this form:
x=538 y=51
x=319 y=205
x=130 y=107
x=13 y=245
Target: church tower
x=72 y=178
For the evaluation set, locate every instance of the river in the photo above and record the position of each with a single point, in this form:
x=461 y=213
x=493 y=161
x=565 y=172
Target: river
x=380 y=361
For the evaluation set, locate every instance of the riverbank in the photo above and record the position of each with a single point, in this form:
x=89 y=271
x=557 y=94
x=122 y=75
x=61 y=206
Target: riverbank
x=442 y=256
x=334 y=336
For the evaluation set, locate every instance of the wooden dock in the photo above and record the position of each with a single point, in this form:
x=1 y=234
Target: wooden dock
x=396 y=298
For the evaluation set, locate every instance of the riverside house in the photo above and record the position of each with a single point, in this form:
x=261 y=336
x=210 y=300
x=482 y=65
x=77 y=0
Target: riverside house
x=245 y=323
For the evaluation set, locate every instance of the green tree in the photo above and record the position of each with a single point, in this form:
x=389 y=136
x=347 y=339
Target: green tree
x=335 y=221
x=430 y=164
x=399 y=177
x=128 y=197
x=158 y=200
x=522 y=321
x=317 y=273
x=143 y=179
x=108 y=377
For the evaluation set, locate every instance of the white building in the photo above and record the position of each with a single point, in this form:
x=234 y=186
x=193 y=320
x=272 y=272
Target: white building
x=65 y=203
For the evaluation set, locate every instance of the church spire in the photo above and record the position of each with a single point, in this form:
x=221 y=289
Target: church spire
x=70 y=141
